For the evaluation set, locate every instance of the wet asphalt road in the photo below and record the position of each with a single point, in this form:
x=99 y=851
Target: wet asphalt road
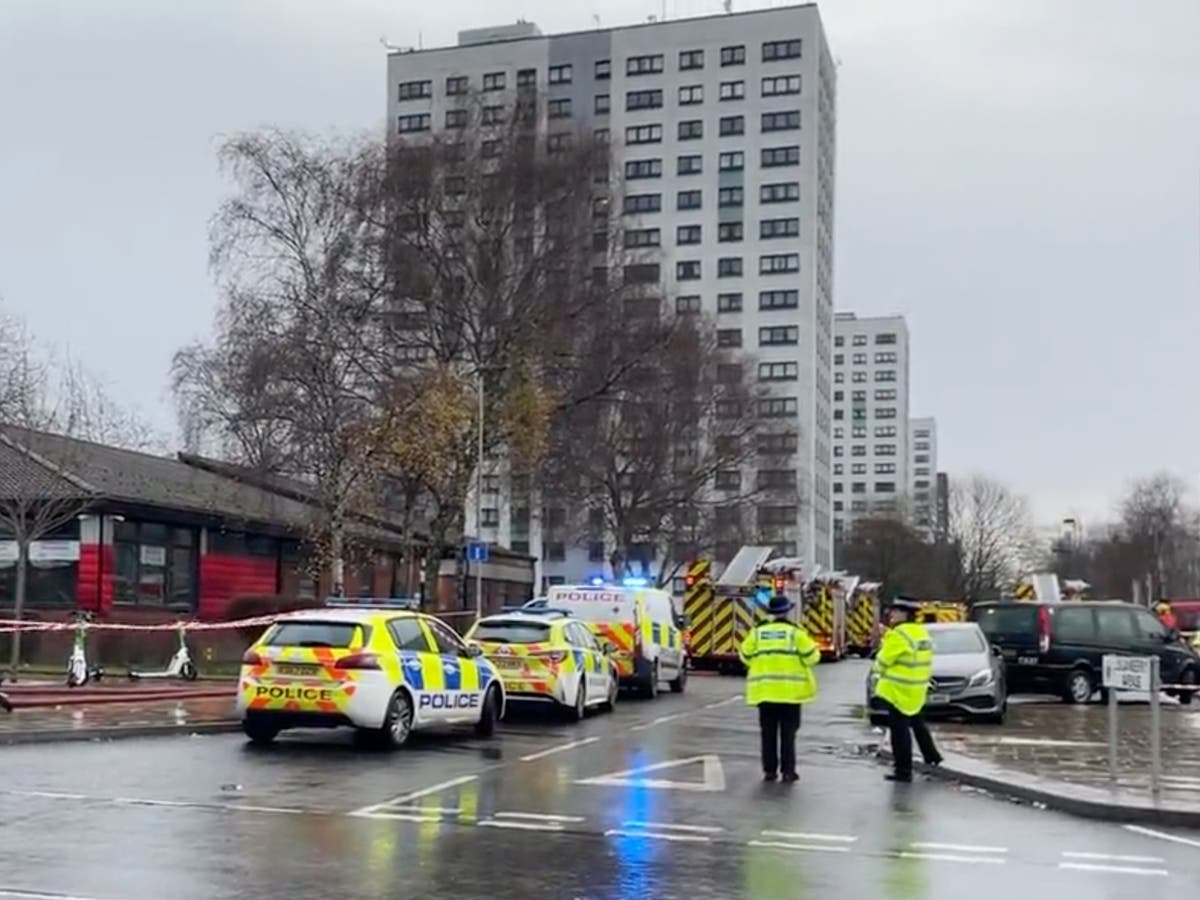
x=548 y=810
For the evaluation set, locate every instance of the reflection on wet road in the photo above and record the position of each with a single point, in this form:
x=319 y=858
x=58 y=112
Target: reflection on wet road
x=662 y=799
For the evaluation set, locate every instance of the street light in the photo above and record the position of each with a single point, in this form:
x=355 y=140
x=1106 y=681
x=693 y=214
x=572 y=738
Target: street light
x=479 y=494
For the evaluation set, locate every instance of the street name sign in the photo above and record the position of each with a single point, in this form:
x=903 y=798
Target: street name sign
x=1127 y=673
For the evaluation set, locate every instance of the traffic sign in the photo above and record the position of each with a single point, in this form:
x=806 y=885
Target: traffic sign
x=477 y=551
x=1127 y=673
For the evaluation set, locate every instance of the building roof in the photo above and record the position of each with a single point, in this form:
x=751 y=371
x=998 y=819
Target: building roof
x=531 y=32
x=38 y=463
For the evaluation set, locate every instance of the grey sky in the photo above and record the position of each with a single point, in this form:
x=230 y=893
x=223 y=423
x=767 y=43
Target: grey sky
x=1020 y=178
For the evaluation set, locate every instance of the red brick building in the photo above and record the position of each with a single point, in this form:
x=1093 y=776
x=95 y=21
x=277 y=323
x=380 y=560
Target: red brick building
x=186 y=535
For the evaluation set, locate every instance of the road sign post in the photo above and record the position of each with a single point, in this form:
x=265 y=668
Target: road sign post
x=1138 y=674
x=1112 y=734
x=477 y=553
x=1155 y=728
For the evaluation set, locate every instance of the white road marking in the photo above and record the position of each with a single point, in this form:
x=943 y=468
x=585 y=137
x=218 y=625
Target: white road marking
x=810 y=836
x=1161 y=835
x=659 y=721
x=951 y=857
x=714 y=776
x=399 y=817
x=1113 y=857
x=1041 y=742
x=724 y=702
x=18 y=894
x=658 y=835
x=523 y=826
x=397 y=802
x=285 y=810
x=49 y=795
x=785 y=845
x=1117 y=870
x=958 y=848
x=539 y=817
x=428 y=810
x=559 y=749
x=699 y=829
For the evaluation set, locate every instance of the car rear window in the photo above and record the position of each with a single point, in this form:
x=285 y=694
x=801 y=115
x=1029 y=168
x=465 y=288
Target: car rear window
x=510 y=632
x=957 y=640
x=317 y=634
x=1007 y=621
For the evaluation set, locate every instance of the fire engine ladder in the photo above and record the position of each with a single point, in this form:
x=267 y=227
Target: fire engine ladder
x=743 y=568
x=735 y=589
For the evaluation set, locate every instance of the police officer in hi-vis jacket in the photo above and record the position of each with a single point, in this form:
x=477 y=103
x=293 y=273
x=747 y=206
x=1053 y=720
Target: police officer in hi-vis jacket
x=903 y=669
x=779 y=657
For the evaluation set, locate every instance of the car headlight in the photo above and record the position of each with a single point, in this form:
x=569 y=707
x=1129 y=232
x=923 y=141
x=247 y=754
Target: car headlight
x=981 y=679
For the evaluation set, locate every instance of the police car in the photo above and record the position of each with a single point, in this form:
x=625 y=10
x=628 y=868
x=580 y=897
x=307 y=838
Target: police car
x=542 y=654
x=377 y=666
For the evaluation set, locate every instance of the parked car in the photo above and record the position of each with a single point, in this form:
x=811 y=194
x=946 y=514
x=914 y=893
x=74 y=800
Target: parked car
x=968 y=677
x=1058 y=648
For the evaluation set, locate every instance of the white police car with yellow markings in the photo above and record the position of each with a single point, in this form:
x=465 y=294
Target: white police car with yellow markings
x=377 y=666
x=543 y=655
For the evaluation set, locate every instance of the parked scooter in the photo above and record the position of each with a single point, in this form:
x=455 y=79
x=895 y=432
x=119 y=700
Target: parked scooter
x=78 y=671
x=180 y=666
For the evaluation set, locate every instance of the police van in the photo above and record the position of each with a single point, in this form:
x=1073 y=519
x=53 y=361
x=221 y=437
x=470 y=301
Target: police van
x=376 y=666
x=639 y=625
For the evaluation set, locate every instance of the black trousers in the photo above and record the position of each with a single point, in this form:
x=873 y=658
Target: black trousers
x=778 y=723
x=903 y=729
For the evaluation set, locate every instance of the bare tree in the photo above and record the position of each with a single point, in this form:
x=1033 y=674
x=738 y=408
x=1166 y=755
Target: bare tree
x=1162 y=531
x=991 y=536
x=893 y=552
x=507 y=271
x=290 y=379
x=40 y=494
x=656 y=456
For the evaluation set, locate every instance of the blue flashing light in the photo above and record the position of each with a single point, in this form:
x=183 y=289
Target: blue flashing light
x=634 y=582
x=596 y=581
x=763 y=595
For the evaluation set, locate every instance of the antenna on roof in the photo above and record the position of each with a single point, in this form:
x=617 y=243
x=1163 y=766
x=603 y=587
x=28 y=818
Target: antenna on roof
x=728 y=4
x=596 y=19
x=396 y=47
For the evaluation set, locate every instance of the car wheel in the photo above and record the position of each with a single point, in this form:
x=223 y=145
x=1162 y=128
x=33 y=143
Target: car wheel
x=578 y=710
x=188 y=672
x=650 y=688
x=680 y=681
x=397 y=724
x=1187 y=677
x=259 y=732
x=1080 y=686
x=489 y=715
x=614 y=688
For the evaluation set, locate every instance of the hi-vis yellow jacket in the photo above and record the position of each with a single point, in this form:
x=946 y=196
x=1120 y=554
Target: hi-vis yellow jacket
x=779 y=657
x=904 y=665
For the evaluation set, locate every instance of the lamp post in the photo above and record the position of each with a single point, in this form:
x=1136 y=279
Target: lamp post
x=479 y=494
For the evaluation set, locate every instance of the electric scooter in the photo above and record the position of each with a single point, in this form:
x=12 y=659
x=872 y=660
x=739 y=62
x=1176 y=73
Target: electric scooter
x=78 y=672
x=180 y=666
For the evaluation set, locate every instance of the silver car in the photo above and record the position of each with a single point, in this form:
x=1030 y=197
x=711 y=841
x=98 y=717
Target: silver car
x=968 y=677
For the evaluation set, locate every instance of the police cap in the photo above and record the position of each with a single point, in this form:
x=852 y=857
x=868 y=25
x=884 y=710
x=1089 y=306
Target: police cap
x=905 y=604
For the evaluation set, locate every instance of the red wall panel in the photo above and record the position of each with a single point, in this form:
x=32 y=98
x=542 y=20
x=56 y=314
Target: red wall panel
x=94 y=589
x=224 y=577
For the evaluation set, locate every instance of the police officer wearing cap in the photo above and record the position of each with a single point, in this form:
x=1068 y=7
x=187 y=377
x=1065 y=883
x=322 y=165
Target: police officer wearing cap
x=779 y=657
x=904 y=666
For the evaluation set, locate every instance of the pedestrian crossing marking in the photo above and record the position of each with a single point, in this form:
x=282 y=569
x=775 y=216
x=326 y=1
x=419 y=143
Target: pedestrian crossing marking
x=713 y=778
